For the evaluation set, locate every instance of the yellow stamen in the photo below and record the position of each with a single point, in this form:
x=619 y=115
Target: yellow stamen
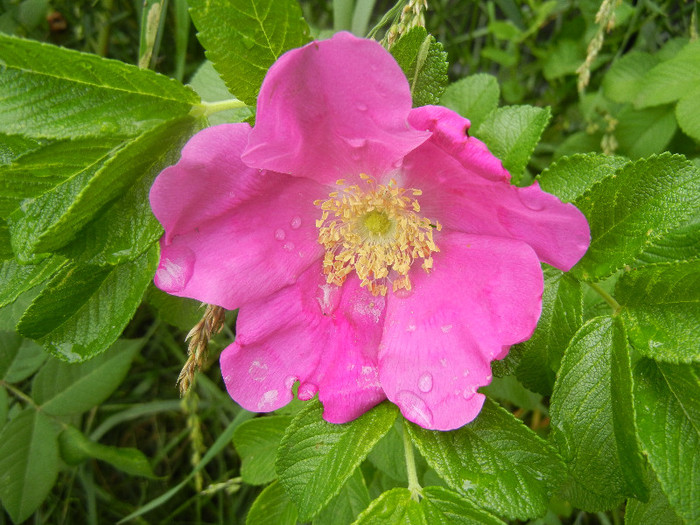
x=374 y=232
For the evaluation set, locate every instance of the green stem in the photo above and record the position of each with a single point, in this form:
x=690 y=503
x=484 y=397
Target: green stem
x=18 y=393
x=413 y=485
x=608 y=298
x=209 y=108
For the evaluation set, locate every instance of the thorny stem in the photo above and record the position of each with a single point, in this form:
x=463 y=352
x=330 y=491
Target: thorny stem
x=211 y=323
x=413 y=484
x=209 y=108
x=608 y=298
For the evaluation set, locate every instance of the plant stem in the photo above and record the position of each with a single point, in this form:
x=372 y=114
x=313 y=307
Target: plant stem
x=608 y=298
x=413 y=484
x=209 y=108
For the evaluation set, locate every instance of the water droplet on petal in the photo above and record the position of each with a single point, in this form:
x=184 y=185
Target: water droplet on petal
x=403 y=293
x=446 y=329
x=328 y=297
x=296 y=222
x=398 y=163
x=175 y=269
x=532 y=198
x=306 y=391
x=468 y=393
x=411 y=328
x=289 y=246
x=289 y=382
x=414 y=408
x=357 y=143
x=279 y=234
x=425 y=382
x=257 y=370
x=361 y=106
x=268 y=398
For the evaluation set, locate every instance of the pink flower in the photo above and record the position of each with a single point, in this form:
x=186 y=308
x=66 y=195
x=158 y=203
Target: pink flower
x=374 y=250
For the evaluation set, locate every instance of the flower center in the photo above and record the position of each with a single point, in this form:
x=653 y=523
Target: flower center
x=375 y=231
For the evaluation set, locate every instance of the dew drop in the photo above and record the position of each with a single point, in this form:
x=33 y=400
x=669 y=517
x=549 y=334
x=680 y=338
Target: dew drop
x=446 y=329
x=175 y=269
x=268 y=398
x=257 y=370
x=533 y=200
x=361 y=106
x=414 y=408
x=425 y=382
x=403 y=293
x=296 y=222
x=411 y=328
x=306 y=391
x=279 y=234
x=289 y=246
x=357 y=143
x=328 y=296
x=289 y=382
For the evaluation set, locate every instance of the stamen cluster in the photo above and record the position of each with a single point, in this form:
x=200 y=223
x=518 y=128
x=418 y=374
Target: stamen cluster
x=375 y=231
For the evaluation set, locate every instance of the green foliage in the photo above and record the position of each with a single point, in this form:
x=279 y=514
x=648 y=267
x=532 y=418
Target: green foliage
x=272 y=506
x=496 y=462
x=315 y=458
x=245 y=37
x=425 y=64
x=256 y=442
x=473 y=97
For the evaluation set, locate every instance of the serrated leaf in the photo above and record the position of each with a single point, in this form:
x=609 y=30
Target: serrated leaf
x=208 y=85
x=348 y=504
x=656 y=510
x=177 y=311
x=473 y=97
x=315 y=458
x=667 y=410
x=50 y=221
x=495 y=461
x=243 y=38
x=511 y=133
x=55 y=92
x=562 y=316
x=679 y=244
x=83 y=309
x=272 y=506
x=16 y=278
x=632 y=208
x=388 y=455
x=640 y=133
x=394 y=507
x=688 y=114
x=510 y=390
x=75 y=448
x=593 y=420
x=569 y=177
x=54 y=164
x=444 y=507
x=19 y=357
x=623 y=80
x=672 y=79
x=424 y=63
x=12 y=146
x=62 y=388
x=256 y=442
x=662 y=310
x=28 y=463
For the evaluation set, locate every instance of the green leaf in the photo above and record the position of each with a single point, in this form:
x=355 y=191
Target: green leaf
x=243 y=38
x=640 y=133
x=4 y=406
x=12 y=146
x=83 y=309
x=52 y=165
x=569 y=177
x=76 y=448
x=656 y=510
x=348 y=504
x=28 y=463
x=563 y=59
x=63 y=388
x=511 y=133
x=667 y=409
x=316 y=458
x=444 y=507
x=16 y=278
x=177 y=311
x=633 y=208
x=61 y=93
x=424 y=63
x=388 y=455
x=256 y=442
x=672 y=79
x=495 y=461
x=272 y=506
x=473 y=97
x=562 y=316
x=393 y=507
x=662 y=310
x=510 y=390
x=679 y=244
x=208 y=84
x=51 y=220
x=623 y=80
x=19 y=357
x=593 y=419
x=688 y=114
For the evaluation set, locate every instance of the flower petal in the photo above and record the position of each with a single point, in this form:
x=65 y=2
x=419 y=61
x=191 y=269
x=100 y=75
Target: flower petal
x=484 y=294
x=333 y=109
x=233 y=234
x=324 y=336
x=464 y=188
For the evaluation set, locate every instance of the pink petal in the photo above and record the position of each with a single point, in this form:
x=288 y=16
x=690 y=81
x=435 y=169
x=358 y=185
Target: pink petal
x=333 y=109
x=233 y=234
x=464 y=187
x=321 y=335
x=484 y=294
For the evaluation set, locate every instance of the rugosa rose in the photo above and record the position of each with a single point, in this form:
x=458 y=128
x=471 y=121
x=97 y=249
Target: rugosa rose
x=374 y=250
